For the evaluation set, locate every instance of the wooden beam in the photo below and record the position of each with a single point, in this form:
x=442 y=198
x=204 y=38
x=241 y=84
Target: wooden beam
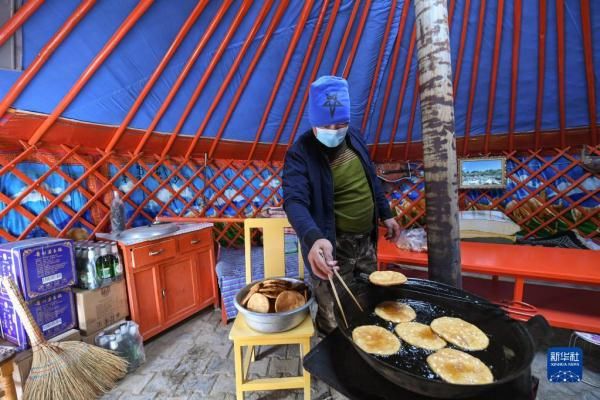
x=18 y=19
x=439 y=145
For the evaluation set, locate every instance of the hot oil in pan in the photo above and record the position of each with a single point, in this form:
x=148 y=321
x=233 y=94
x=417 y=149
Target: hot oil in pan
x=413 y=359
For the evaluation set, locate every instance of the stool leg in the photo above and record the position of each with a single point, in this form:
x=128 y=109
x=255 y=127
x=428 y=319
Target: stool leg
x=305 y=348
x=6 y=380
x=239 y=373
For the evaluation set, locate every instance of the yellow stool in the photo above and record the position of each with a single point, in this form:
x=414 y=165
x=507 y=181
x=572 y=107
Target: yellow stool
x=244 y=336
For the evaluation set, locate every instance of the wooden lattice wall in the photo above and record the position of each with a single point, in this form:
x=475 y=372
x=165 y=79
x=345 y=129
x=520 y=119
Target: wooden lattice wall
x=49 y=193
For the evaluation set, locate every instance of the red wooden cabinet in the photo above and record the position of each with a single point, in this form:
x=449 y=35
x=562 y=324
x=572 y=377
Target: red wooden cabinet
x=170 y=279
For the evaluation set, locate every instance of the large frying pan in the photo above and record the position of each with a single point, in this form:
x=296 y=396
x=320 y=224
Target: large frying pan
x=509 y=355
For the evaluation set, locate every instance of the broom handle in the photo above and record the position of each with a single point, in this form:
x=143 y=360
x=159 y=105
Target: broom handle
x=33 y=330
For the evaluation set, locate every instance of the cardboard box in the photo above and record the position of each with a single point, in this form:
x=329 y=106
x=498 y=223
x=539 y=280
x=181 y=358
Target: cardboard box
x=22 y=361
x=99 y=308
x=91 y=339
x=54 y=313
x=39 y=266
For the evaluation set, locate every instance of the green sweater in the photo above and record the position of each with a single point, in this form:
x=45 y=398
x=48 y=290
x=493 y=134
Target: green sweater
x=353 y=200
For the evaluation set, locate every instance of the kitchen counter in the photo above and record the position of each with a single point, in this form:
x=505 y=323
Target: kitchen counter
x=183 y=228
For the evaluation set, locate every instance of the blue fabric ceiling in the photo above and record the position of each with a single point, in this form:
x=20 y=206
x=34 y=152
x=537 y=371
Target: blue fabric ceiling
x=113 y=89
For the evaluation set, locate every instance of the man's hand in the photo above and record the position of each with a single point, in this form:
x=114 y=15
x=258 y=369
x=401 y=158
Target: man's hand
x=321 y=260
x=393 y=230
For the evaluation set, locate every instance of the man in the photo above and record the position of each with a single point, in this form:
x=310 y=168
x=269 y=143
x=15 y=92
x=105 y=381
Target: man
x=332 y=196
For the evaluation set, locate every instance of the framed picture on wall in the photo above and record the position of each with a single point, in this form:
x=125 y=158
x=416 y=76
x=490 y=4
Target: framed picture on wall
x=482 y=173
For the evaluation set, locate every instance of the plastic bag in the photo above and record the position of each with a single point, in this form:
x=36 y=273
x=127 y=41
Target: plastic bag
x=413 y=240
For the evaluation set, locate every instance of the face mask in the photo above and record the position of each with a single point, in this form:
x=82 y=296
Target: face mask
x=331 y=137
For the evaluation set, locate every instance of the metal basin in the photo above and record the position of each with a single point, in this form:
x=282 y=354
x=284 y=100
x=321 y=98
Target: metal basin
x=147 y=232
x=273 y=322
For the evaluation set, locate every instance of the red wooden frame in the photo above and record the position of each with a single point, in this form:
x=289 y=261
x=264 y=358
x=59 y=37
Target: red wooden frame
x=185 y=28
x=494 y=75
x=18 y=19
x=560 y=38
x=514 y=76
x=541 y=73
x=589 y=69
x=91 y=69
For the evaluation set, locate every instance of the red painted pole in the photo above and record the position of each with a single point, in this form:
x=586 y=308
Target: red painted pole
x=560 y=33
x=384 y=40
x=514 y=76
x=181 y=35
x=494 y=76
x=209 y=70
x=233 y=69
x=463 y=42
x=18 y=19
x=390 y=78
x=400 y=102
x=30 y=72
x=474 y=73
x=129 y=22
x=359 y=32
x=294 y=93
x=541 y=73
x=282 y=70
x=413 y=112
x=240 y=90
x=184 y=72
x=313 y=75
x=342 y=45
x=589 y=69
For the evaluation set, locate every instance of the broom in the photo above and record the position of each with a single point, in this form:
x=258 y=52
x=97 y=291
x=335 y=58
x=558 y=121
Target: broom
x=64 y=370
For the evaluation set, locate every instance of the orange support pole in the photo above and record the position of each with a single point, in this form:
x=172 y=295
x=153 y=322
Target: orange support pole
x=461 y=47
x=211 y=67
x=474 y=73
x=181 y=35
x=18 y=19
x=342 y=45
x=541 y=73
x=359 y=32
x=514 y=76
x=282 y=70
x=184 y=73
x=391 y=75
x=494 y=76
x=400 y=102
x=226 y=82
x=308 y=53
x=589 y=69
x=560 y=38
x=240 y=90
x=313 y=75
x=13 y=163
x=129 y=22
x=384 y=40
x=30 y=72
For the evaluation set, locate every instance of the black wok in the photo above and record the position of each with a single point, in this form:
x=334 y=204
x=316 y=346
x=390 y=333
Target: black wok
x=509 y=355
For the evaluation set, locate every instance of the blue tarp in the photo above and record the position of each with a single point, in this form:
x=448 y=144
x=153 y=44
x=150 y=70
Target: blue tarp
x=113 y=89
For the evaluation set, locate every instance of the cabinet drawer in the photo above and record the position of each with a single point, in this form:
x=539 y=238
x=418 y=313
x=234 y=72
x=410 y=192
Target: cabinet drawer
x=194 y=241
x=154 y=253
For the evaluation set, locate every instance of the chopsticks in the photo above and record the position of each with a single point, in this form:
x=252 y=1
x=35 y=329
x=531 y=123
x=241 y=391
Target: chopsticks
x=337 y=298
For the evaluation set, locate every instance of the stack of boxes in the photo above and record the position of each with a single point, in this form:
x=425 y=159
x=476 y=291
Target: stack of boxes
x=44 y=271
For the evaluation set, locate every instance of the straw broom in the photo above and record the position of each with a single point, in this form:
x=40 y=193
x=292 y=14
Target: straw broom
x=64 y=370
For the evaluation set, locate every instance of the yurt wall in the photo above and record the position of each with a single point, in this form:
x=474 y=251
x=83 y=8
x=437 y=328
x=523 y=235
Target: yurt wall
x=187 y=107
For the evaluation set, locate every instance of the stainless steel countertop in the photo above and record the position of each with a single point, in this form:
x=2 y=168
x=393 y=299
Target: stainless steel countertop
x=183 y=228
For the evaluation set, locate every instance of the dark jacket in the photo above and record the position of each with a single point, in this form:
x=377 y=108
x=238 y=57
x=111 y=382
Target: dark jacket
x=308 y=189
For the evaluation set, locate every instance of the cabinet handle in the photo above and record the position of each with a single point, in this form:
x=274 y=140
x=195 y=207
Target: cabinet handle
x=194 y=241
x=155 y=253
x=164 y=293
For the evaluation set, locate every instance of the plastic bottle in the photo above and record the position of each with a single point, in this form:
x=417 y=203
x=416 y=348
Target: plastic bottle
x=117 y=263
x=117 y=213
x=90 y=276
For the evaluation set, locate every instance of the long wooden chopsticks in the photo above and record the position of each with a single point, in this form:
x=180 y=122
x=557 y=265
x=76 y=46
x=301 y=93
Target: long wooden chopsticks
x=337 y=298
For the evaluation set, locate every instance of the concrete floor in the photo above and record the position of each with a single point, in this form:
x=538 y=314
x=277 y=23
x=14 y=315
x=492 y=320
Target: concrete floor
x=194 y=360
